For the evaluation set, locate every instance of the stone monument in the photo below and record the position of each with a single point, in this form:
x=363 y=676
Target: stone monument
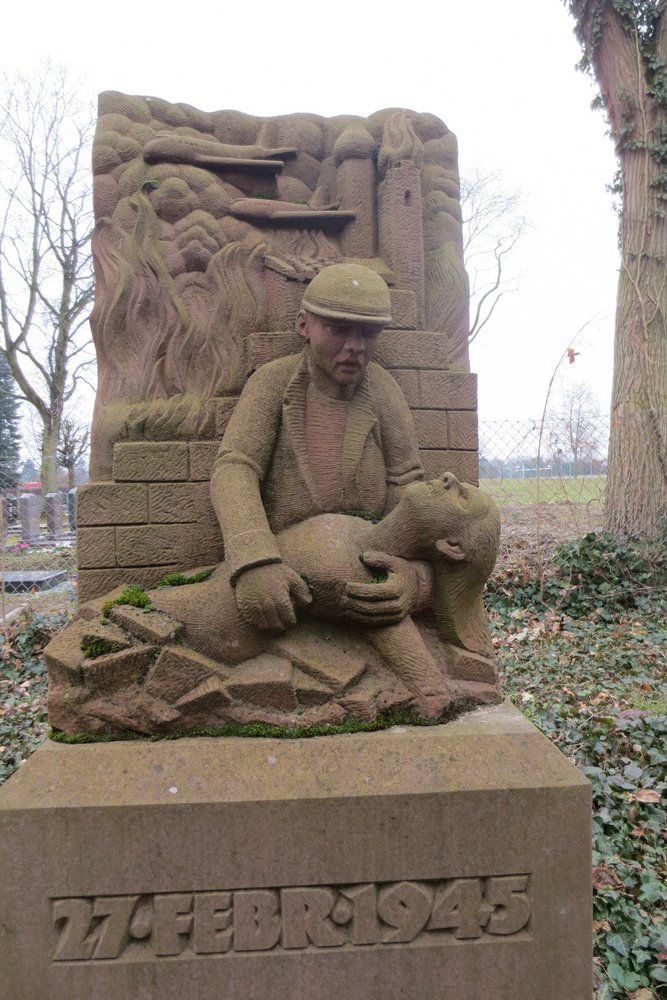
x=331 y=573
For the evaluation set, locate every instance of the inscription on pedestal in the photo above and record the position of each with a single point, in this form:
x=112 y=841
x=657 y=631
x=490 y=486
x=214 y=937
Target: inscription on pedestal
x=146 y=927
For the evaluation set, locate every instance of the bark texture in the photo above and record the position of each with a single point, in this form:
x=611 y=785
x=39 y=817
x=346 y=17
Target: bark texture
x=625 y=45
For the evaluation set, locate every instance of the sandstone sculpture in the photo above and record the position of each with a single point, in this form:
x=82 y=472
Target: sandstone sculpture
x=192 y=660
x=207 y=229
x=311 y=435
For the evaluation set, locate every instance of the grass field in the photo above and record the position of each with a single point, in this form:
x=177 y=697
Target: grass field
x=578 y=490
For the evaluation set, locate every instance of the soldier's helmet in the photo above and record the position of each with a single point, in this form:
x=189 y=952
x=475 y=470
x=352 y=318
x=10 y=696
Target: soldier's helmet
x=349 y=292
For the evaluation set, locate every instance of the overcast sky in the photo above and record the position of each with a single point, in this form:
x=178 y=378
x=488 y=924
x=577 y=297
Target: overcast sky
x=500 y=75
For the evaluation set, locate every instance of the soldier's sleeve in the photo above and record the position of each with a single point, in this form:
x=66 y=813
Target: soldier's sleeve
x=241 y=464
x=399 y=435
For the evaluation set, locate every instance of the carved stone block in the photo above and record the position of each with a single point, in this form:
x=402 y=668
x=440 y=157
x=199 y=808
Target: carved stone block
x=112 y=503
x=412 y=349
x=170 y=503
x=143 y=461
x=431 y=428
x=161 y=544
x=463 y=464
x=462 y=430
x=448 y=390
x=96 y=547
x=443 y=863
x=202 y=457
x=93 y=582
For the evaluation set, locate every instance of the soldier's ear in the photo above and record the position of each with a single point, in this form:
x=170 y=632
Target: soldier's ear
x=302 y=324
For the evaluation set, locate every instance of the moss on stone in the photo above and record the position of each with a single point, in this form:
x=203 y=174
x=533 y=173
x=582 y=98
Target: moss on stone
x=181 y=580
x=133 y=595
x=97 y=646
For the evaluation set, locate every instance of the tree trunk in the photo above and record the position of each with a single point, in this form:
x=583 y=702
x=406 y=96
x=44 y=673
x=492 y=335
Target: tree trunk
x=637 y=476
x=636 y=500
x=49 y=462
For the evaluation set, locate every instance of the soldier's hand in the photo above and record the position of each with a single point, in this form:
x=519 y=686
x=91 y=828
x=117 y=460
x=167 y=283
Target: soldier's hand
x=388 y=601
x=267 y=596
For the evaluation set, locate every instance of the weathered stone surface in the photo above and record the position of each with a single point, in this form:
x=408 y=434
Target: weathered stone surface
x=333 y=663
x=111 y=503
x=463 y=464
x=150 y=461
x=448 y=390
x=412 y=349
x=96 y=547
x=65 y=656
x=93 y=610
x=179 y=503
x=438 y=390
x=29 y=506
x=223 y=411
x=431 y=428
x=179 y=670
x=462 y=430
x=205 y=701
x=457 y=866
x=408 y=379
x=107 y=674
x=163 y=544
x=403 y=309
x=202 y=453
x=308 y=690
x=94 y=583
x=265 y=680
x=151 y=626
x=132 y=709
x=54 y=509
x=263 y=347
x=453 y=527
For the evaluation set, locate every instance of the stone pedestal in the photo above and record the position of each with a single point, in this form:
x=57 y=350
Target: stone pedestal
x=450 y=862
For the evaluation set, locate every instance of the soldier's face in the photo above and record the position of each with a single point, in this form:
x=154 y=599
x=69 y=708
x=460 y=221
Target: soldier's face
x=340 y=349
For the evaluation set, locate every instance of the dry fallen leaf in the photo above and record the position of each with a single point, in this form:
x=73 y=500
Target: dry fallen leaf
x=604 y=876
x=644 y=795
x=601 y=925
x=641 y=994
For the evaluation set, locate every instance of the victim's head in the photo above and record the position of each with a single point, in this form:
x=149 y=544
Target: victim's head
x=453 y=521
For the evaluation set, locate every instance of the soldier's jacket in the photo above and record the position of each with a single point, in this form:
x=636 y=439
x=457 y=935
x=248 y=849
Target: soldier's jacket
x=262 y=480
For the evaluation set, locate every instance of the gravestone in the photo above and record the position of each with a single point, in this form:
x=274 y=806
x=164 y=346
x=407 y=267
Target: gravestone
x=29 y=508
x=431 y=861
x=54 y=514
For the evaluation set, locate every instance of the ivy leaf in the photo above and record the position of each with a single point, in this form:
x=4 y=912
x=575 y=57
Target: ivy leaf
x=620 y=943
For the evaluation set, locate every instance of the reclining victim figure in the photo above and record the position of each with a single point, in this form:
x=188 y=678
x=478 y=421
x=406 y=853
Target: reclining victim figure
x=314 y=437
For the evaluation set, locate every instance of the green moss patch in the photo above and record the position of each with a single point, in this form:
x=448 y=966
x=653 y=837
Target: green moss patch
x=407 y=717
x=133 y=595
x=94 y=647
x=180 y=580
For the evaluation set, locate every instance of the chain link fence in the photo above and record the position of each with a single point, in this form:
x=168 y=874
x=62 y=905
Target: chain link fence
x=37 y=550
x=548 y=477
x=534 y=461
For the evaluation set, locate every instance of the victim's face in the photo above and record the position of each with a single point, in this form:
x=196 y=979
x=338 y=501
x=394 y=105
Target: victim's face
x=339 y=349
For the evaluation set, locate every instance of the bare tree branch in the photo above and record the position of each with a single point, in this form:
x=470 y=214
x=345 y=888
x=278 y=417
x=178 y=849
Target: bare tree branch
x=493 y=224
x=46 y=273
